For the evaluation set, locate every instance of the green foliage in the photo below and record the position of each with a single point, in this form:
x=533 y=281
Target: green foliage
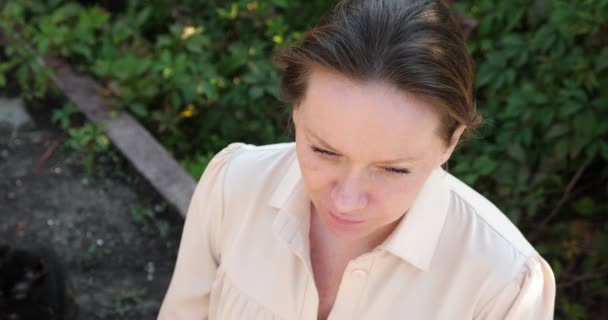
x=90 y=141
x=542 y=85
x=22 y=57
x=149 y=220
x=199 y=75
x=125 y=300
x=197 y=164
x=197 y=81
x=63 y=116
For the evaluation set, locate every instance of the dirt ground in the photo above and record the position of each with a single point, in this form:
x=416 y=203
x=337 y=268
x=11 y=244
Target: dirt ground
x=116 y=235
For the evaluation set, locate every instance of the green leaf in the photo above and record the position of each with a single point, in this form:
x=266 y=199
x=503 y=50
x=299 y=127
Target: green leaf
x=485 y=26
x=561 y=149
x=557 y=130
x=470 y=179
x=569 y=108
x=138 y=109
x=517 y=152
x=577 y=144
x=281 y=3
x=256 y=92
x=194 y=47
x=163 y=41
x=585 y=206
x=210 y=91
x=484 y=75
x=604 y=150
x=83 y=50
x=142 y=17
x=601 y=62
x=484 y=165
x=585 y=124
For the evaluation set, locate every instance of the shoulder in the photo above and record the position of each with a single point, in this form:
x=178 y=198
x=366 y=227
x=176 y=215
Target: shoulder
x=242 y=172
x=249 y=177
x=247 y=156
x=251 y=165
x=254 y=173
x=484 y=241
x=489 y=220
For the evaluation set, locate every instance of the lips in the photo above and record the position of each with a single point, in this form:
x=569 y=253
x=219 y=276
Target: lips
x=344 y=220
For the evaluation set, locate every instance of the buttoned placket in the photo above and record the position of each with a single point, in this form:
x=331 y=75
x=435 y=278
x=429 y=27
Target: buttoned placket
x=353 y=287
x=291 y=225
x=292 y=228
x=290 y=231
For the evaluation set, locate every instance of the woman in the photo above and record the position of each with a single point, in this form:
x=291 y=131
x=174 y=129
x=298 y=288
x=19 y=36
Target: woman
x=357 y=220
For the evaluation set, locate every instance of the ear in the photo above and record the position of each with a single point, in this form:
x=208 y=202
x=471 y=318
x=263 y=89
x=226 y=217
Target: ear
x=294 y=114
x=447 y=152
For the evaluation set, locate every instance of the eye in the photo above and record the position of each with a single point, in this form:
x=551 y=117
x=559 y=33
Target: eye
x=397 y=171
x=323 y=151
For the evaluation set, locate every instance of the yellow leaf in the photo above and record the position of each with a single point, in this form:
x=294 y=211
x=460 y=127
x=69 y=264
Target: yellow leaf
x=188 y=112
x=253 y=5
x=104 y=140
x=190 y=31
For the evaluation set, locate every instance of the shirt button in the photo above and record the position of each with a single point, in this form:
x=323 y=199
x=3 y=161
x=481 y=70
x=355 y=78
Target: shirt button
x=359 y=273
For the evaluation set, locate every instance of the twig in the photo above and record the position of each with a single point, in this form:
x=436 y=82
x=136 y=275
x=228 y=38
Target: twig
x=45 y=156
x=583 y=277
x=566 y=194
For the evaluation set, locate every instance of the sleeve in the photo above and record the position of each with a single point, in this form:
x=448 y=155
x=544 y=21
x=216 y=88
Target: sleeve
x=199 y=252
x=531 y=295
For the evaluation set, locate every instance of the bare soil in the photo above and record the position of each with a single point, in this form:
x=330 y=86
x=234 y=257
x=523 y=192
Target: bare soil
x=104 y=226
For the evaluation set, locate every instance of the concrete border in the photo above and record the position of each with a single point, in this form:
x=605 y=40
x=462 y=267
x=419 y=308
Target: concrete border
x=137 y=144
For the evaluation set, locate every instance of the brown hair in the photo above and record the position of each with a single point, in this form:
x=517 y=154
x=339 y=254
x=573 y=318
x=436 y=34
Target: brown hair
x=416 y=45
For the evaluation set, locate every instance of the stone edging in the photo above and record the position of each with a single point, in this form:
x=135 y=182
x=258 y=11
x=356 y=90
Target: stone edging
x=145 y=153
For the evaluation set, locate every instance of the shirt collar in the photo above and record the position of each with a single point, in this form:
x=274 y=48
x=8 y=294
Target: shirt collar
x=417 y=235
x=414 y=240
x=292 y=222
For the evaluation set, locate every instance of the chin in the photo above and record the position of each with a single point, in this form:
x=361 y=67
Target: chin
x=343 y=228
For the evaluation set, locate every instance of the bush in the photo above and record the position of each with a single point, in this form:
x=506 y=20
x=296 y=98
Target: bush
x=197 y=81
x=542 y=85
x=199 y=75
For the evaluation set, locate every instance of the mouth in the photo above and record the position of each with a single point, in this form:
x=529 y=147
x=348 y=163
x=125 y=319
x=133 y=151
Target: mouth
x=344 y=220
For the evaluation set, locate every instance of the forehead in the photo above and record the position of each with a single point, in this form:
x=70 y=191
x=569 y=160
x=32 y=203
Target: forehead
x=367 y=119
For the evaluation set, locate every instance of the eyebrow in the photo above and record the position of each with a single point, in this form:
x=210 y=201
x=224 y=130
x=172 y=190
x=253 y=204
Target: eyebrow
x=328 y=146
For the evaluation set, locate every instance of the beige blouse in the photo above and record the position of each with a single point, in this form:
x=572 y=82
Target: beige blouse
x=244 y=253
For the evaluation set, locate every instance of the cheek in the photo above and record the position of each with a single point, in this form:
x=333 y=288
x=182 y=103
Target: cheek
x=396 y=199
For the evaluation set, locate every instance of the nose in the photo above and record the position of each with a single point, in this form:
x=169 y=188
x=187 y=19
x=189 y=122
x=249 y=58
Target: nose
x=349 y=194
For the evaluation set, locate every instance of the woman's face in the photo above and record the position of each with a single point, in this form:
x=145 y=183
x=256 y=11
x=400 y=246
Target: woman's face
x=365 y=150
